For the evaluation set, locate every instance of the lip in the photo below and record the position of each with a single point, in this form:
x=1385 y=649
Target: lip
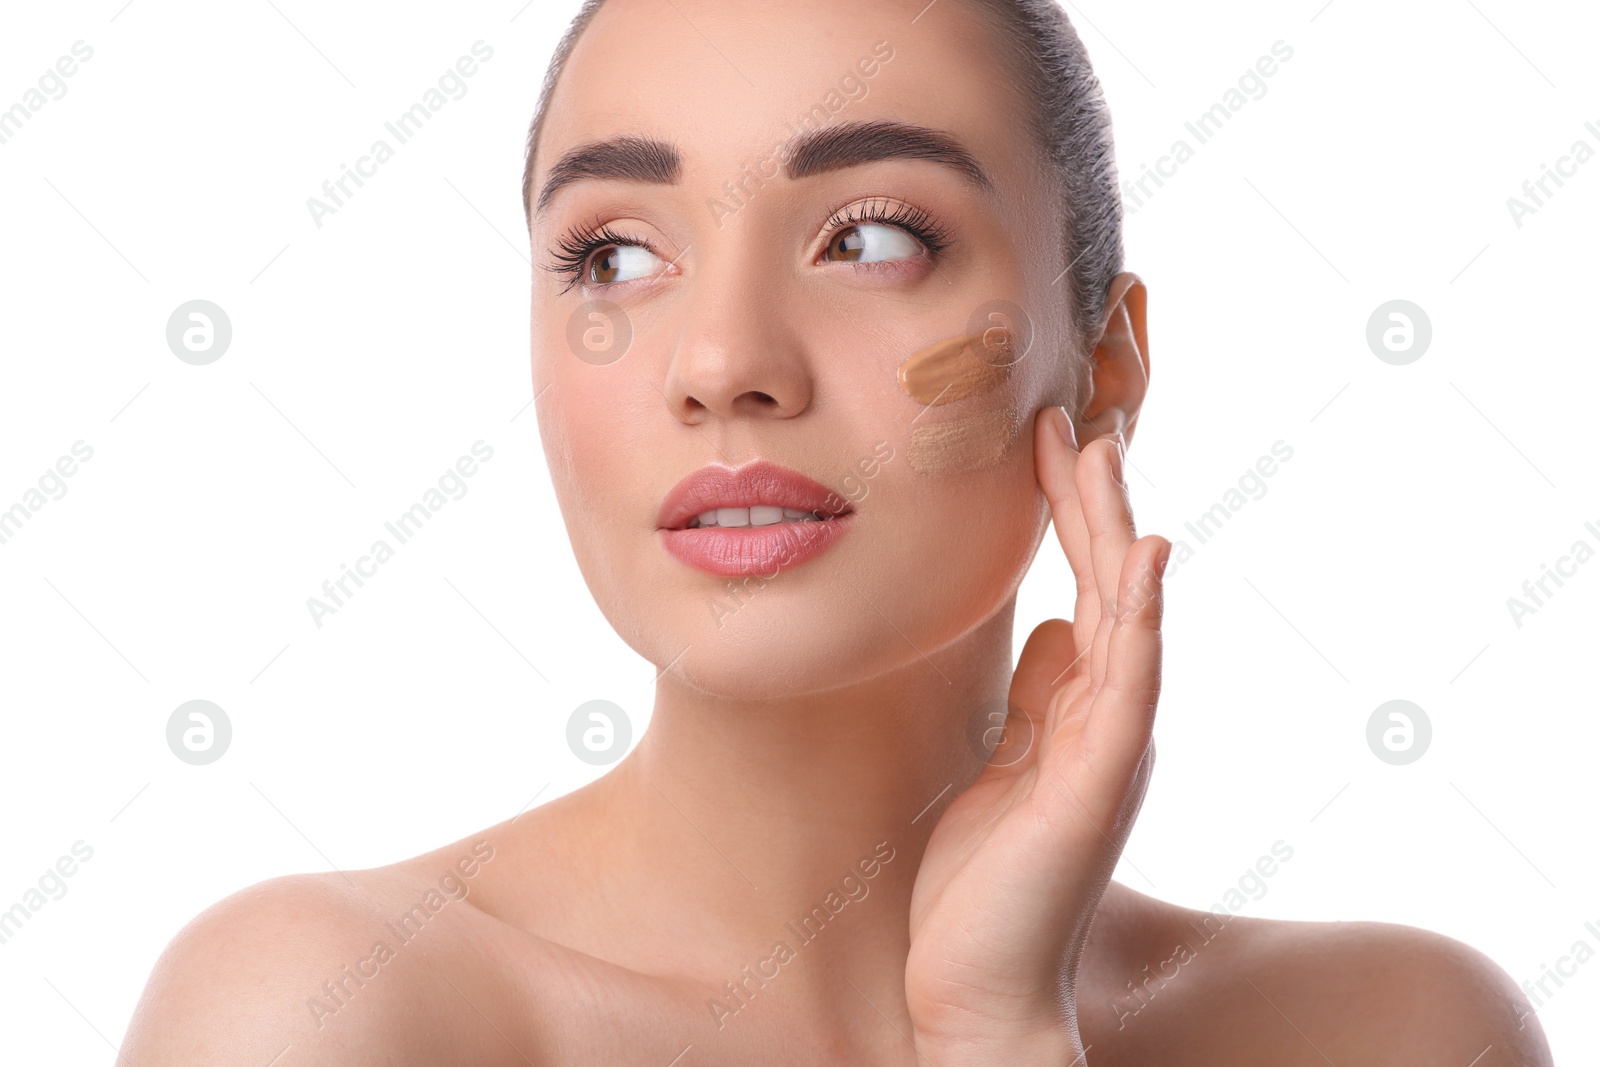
x=748 y=550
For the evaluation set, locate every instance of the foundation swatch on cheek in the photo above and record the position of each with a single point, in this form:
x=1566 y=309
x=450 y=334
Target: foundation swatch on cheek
x=958 y=367
x=955 y=369
x=964 y=444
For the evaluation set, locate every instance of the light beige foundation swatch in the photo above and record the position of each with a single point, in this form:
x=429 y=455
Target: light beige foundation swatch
x=964 y=444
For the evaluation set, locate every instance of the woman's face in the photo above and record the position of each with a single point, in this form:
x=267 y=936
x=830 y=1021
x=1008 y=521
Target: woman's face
x=746 y=314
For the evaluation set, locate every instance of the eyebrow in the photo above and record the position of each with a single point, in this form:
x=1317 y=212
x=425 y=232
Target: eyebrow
x=655 y=162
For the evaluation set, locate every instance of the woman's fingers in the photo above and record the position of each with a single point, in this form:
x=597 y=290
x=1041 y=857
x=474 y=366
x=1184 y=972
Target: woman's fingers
x=1116 y=640
x=1109 y=519
x=1048 y=648
x=1123 y=717
x=1033 y=683
x=1057 y=465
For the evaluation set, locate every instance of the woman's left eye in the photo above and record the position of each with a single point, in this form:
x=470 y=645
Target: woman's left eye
x=622 y=263
x=871 y=242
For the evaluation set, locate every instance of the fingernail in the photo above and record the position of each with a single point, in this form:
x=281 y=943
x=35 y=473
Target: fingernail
x=1064 y=429
x=1161 y=561
x=1116 y=464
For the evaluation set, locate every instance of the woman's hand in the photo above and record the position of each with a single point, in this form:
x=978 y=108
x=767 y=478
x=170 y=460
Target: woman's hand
x=1015 y=869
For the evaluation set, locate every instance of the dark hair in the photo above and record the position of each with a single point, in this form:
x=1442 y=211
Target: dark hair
x=1058 y=93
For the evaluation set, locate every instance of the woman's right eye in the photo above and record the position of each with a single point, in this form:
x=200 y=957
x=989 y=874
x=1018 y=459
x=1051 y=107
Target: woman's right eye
x=602 y=257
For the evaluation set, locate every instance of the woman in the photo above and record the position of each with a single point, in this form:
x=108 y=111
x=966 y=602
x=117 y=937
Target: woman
x=831 y=323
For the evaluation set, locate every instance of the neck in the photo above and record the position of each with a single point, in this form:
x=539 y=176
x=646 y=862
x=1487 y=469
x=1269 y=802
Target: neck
x=752 y=817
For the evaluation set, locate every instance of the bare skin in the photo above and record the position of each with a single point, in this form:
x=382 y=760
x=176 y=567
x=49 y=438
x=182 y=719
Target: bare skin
x=531 y=964
x=806 y=740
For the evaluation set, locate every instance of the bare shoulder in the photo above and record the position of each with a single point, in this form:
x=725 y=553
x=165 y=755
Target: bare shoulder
x=1384 y=993
x=346 y=968
x=1239 y=990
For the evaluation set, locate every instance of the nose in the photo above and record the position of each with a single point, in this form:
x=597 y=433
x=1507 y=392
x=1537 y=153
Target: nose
x=738 y=352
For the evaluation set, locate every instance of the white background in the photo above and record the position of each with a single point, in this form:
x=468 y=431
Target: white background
x=369 y=354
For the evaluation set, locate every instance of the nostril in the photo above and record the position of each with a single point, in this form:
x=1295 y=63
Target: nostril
x=754 y=400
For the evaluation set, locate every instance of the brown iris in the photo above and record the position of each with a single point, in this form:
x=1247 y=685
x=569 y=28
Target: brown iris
x=602 y=273
x=849 y=244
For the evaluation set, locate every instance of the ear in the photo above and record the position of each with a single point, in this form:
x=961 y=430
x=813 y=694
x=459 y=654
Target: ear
x=1118 y=375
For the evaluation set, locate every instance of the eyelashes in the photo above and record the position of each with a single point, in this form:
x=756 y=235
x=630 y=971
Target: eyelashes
x=571 y=255
x=914 y=220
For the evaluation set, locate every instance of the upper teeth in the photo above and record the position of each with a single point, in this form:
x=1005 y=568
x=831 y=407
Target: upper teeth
x=759 y=515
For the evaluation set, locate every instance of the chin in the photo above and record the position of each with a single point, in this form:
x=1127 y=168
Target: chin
x=833 y=624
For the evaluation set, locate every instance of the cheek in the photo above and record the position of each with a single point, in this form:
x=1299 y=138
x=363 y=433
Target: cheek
x=969 y=540
x=593 y=461
x=967 y=443
x=971 y=419
x=592 y=414
x=596 y=472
